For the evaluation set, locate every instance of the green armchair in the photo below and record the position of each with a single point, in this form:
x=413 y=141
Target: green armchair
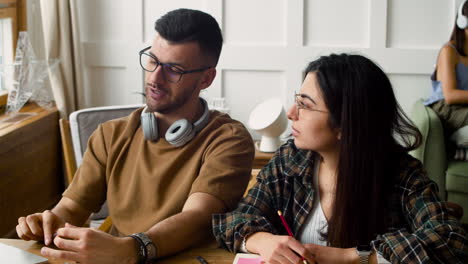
x=450 y=175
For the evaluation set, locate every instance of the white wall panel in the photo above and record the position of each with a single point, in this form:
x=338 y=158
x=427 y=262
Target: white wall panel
x=248 y=22
x=410 y=87
x=268 y=43
x=105 y=87
x=101 y=20
x=245 y=89
x=336 y=23
x=419 y=24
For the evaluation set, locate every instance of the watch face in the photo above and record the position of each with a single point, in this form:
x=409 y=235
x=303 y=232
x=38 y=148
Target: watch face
x=363 y=248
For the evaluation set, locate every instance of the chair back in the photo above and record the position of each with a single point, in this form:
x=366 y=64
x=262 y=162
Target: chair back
x=84 y=122
x=67 y=149
x=76 y=132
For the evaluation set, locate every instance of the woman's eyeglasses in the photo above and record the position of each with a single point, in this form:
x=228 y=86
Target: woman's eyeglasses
x=300 y=100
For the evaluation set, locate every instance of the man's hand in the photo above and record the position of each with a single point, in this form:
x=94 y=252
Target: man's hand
x=39 y=226
x=278 y=249
x=324 y=255
x=42 y=226
x=87 y=245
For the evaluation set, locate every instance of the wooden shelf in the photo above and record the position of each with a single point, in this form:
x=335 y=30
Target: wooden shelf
x=30 y=113
x=30 y=166
x=261 y=159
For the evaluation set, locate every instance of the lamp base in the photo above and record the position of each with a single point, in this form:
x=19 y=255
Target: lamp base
x=269 y=144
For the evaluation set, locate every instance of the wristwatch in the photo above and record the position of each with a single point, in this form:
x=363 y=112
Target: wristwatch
x=147 y=251
x=363 y=252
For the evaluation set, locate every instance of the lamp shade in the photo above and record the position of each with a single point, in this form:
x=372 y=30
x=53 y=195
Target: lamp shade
x=269 y=119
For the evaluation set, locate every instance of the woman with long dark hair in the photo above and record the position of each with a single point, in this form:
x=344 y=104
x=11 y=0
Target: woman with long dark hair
x=345 y=184
x=449 y=97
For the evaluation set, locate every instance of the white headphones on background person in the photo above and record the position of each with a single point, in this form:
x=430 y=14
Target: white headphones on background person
x=180 y=132
x=462 y=20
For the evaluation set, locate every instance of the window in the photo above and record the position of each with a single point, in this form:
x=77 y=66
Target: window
x=2 y=84
x=6 y=49
x=8 y=31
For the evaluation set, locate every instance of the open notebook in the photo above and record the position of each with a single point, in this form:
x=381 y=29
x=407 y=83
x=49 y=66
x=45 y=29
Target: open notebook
x=9 y=254
x=242 y=258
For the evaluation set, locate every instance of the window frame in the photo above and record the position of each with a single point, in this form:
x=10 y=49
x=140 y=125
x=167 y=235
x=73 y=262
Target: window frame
x=9 y=9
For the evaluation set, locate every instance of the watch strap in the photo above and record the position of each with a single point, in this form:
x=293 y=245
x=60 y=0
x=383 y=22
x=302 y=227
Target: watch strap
x=363 y=252
x=363 y=259
x=147 y=251
x=141 y=250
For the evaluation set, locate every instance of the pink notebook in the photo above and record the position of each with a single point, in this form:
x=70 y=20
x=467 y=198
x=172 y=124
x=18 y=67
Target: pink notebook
x=242 y=258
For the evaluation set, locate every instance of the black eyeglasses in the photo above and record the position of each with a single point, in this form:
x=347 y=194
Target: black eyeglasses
x=172 y=73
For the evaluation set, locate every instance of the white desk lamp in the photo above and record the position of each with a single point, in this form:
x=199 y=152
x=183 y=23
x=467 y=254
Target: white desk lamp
x=270 y=120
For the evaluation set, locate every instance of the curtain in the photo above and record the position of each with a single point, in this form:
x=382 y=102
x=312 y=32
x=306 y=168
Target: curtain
x=60 y=39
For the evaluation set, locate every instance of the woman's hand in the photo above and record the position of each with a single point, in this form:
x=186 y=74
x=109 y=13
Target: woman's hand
x=324 y=255
x=277 y=249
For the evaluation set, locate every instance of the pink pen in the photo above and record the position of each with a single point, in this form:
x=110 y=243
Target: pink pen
x=285 y=224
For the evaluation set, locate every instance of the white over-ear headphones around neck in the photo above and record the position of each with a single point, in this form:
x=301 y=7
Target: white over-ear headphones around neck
x=180 y=132
x=462 y=20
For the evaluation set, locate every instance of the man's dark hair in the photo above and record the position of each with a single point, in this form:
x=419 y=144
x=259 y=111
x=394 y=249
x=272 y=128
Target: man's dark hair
x=187 y=25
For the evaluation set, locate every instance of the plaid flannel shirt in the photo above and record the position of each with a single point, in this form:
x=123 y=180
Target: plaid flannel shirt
x=420 y=227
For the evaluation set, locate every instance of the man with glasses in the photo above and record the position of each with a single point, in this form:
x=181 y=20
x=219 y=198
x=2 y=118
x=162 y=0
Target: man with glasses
x=161 y=192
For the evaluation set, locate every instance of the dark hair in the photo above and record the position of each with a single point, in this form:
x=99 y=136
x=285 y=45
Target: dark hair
x=187 y=25
x=458 y=35
x=375 y=133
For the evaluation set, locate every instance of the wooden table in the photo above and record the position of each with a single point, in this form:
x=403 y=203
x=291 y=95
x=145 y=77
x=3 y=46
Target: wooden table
x=30 y=165
x=210 y=252
x=261 y=159
x=32 y=247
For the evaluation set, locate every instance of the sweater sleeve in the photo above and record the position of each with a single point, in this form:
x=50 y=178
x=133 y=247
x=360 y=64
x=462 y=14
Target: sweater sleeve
x=227 y=165
x=433 y=235
x=89 y=186
x=272 y=191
